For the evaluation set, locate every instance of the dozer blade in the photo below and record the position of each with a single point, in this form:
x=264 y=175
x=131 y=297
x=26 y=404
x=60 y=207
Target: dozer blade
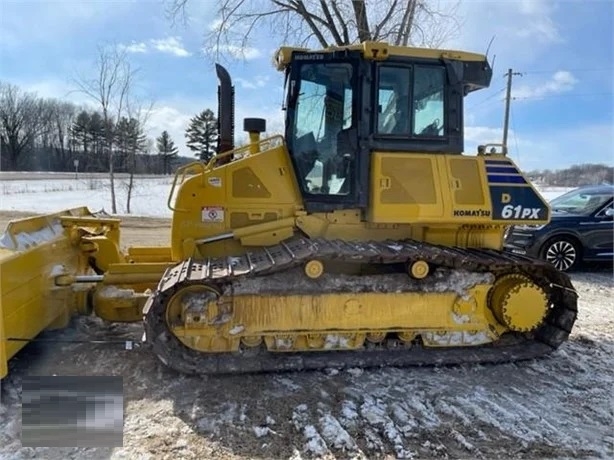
x=32 y=252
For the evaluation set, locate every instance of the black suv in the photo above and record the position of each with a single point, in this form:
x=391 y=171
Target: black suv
x=581 y=229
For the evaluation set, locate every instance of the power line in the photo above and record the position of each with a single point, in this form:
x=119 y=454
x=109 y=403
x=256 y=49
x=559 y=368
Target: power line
x=487 y=99
x=565 y=94
x=602 y=69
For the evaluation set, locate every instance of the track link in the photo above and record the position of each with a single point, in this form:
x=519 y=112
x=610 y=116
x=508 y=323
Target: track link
x=223 y=271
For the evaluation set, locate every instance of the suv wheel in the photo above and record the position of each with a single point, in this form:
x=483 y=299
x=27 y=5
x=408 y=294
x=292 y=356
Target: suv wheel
x=564 y=253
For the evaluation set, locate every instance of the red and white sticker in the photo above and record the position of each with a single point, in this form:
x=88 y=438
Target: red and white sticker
x=213 y=214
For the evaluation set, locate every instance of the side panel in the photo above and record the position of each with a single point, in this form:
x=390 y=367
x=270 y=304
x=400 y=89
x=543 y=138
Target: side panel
x=451 y=189
x=255 y=190
x=512 y=195
x=405 y=188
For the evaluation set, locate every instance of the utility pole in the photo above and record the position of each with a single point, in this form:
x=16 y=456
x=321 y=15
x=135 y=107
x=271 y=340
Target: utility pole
x=508 y=97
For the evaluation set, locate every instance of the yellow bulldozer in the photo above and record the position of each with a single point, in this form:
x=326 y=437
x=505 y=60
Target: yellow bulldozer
x=362 y=237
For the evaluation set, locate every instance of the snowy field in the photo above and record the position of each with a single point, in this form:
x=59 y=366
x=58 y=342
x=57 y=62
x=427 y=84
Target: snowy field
x=149 y=198
x=149 y=195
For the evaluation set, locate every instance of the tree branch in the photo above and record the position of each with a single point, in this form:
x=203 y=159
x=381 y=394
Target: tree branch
x=331 y=23
x=344 y=28
x=362 y=24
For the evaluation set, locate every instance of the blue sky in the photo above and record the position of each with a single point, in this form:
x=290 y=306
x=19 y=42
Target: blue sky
x=562 y=113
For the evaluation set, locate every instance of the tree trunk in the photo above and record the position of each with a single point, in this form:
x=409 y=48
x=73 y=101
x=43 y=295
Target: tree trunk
x=130 y=185
x=112 y=180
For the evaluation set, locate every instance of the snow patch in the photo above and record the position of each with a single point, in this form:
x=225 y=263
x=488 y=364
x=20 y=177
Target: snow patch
x=455 y=338
x=336 y=341
x=261 y=431
x=334 y=433
x=57 y=270
x=237 y=329
x=314 y=443
x=441 y=280
x=283 y=343
x=459 y=438
x=113 y=292
x=355 y=371
x=374 y=411
x=461 y=319
x=27 y=240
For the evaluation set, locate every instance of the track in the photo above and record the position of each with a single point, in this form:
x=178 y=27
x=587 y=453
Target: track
x=223 y=272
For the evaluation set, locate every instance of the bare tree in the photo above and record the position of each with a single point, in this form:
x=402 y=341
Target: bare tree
x=138 y=117
x=327 y=23
x=57 y=118
x=21 y=123
x=110 y=91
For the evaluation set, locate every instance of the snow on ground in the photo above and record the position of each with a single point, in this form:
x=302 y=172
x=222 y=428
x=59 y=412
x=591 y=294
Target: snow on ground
x=149 y=197
x=561 y=406
x=558 y=407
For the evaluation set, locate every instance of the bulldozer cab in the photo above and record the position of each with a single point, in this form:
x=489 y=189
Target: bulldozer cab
x=344 y=104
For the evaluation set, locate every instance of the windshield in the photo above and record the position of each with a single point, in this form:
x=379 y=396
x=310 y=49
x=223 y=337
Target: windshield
x=323 y=115
x=580 y=201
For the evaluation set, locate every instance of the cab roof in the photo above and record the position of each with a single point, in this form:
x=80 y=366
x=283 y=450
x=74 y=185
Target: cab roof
x=380 y=51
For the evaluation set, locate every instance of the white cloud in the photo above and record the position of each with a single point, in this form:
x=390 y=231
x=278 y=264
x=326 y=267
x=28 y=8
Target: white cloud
x=215 y=25
x=169 y=45
x=538 y=23
x=173 y=115
x=243 y=52
x=173 y=120
x=522 y=30
x=135 y=47
x=560 y=82
x=258 y=81
x=476 y=135
x=54 y=88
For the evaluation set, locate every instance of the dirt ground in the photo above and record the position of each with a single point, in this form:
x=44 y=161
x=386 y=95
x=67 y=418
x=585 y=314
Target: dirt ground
x=558 y=407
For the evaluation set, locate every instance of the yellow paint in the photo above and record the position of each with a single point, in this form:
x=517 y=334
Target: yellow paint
x=314 y=269
x=378 y=51
x=419 y=269
x=518 y=303
x=251 y=189
x=29 y=301
x=202 y=321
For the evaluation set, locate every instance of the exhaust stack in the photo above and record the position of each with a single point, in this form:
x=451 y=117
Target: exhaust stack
x=225 y=111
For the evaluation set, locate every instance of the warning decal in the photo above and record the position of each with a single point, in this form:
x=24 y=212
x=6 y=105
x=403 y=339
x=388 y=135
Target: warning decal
x=215 y=181
x=213 y=214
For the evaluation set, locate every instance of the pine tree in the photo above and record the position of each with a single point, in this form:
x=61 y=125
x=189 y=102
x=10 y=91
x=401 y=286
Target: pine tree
x=129 y=141
x=167 y=150
x=80 y=131
x=202 y=135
